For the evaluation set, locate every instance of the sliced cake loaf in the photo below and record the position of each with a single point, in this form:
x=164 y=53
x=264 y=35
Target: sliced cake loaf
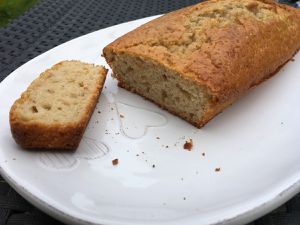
x=196 y=61
x=55 y=109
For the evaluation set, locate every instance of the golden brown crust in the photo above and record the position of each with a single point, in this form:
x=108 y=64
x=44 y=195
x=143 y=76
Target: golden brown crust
x=215 y=45
x=35 y=134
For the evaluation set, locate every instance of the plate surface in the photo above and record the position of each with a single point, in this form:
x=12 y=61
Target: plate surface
x=254 y=144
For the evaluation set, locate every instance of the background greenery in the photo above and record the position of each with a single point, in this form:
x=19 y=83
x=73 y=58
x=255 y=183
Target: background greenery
x=9 y=9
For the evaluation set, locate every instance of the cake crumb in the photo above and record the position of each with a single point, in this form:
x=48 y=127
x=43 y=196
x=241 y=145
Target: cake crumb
x=188 y=145
x=99 y=111
x=153 y=166
x=292 y=59
x=157 y=137
x=218 y=169
x=115 y=162
x=122 y=116
x=203 y=153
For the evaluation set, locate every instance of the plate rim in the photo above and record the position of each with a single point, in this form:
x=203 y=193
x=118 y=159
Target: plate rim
x=244 y=216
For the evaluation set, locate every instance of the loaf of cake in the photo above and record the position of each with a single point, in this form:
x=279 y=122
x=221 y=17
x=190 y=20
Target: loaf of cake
x=54 y=110
x=196 y=61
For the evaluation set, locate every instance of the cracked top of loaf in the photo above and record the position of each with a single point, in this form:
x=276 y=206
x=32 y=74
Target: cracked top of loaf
x=226 y=45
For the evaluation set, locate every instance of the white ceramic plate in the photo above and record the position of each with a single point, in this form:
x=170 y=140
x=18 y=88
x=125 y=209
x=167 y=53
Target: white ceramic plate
x=255 y=143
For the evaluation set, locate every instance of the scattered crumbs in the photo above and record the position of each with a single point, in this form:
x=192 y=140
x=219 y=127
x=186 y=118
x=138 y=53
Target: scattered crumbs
x=137 y=155
x=184 y=198
x=157 y=137
x=105 y=87
x=143 y=152
x=153 y=166
x=281 y=123
x=112 y=108
x=167 y=146
x=121 y=116
x=203 y=153
x=292 y=59
x=99 y=111
x=115 y=162
x=181 y=178
x=117 y=133
x=188 y=145
x=218 y=169
x=13 y=158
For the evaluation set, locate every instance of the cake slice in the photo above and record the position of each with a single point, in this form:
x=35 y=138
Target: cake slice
x=55 y=109
x=196 y=61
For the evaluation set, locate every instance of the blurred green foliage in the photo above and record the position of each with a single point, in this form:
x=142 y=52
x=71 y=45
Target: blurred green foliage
x=9 y=9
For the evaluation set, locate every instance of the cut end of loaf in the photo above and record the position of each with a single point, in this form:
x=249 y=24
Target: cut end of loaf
x=162 y=86
x=55 y=109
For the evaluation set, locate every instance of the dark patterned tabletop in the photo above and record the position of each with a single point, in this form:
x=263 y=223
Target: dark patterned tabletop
x=52 y=22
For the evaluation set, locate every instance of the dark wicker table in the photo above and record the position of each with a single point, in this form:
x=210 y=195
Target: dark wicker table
x=52 y=22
